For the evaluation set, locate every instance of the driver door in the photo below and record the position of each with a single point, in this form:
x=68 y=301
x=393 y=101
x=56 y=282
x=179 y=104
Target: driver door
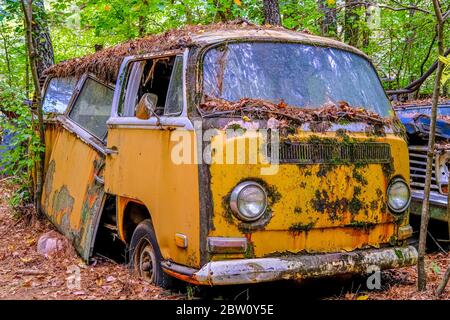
x=73 y=194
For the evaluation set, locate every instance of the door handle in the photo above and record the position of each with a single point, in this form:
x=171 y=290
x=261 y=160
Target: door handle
x=111 y=151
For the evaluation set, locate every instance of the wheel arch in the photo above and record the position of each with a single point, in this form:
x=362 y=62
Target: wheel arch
x=130 y=214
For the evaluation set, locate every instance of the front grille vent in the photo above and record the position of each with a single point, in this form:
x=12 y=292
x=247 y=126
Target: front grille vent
x=418 y=169
x=311 y=153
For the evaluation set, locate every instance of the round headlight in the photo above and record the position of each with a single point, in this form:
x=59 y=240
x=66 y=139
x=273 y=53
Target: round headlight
x=248 y=201
x=398 y=195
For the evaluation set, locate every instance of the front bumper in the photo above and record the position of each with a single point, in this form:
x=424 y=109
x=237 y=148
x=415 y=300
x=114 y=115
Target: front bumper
x=295 y=267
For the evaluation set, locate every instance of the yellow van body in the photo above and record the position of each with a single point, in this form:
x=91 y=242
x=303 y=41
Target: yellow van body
x=323 y=218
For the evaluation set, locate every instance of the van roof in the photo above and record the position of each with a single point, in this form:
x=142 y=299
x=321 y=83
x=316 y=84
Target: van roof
x=105 y=64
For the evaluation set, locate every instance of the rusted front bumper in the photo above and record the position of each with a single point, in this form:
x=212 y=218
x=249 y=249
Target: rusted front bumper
x=295 y=267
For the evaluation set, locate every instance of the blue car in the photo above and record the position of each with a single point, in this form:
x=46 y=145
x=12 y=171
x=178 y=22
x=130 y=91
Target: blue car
x=416 y=119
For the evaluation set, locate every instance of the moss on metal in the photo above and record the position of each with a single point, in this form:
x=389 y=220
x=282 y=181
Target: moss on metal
x=301 y=227
x=361 y=225
x=273 y=196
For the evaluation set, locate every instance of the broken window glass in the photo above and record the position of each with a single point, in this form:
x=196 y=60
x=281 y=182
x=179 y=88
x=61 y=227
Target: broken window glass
x=131 y=92
x=302 y=75
x=57 y=95
x=174 y=101
x=93 y=107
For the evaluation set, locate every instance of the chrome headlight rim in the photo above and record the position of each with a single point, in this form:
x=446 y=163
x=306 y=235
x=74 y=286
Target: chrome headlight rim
x=234 y=199
x=408 y=202
x=441 y=160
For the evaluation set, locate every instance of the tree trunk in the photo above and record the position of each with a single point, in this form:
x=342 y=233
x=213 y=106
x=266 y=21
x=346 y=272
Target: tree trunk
x=223 y=11
x=327 y=23
x=444 y=282
x=421 y=273
x=367 y=31
x=272 y=12
x=27 y=72
x=7 y=57
x=142 y=20
x=41 y=38
x=34 y=56
x=351 y=20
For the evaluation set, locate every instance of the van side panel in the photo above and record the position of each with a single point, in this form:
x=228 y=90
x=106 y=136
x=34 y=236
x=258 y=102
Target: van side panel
x=143 y=170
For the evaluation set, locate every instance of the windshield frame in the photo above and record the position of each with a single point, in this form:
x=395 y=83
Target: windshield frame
x=204 y=50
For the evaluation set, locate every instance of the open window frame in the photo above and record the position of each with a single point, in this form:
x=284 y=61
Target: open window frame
x=175 y=120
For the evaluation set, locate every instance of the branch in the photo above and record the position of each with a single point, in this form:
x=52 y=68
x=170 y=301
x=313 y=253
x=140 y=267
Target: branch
x=430 y=48
x=413 y=8
x=406 y=7
x=415 y=85
x=383 y=6
x=438 y=12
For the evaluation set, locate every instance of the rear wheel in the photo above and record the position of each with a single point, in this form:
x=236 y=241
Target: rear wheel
x=145 y=257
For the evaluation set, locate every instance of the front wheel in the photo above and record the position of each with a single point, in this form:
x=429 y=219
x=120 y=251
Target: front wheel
x=145 y=257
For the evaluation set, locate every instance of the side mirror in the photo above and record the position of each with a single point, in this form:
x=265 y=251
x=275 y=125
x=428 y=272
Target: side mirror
x=146 y=106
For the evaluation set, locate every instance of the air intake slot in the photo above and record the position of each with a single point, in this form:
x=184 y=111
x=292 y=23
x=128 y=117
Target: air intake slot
x=308 y=153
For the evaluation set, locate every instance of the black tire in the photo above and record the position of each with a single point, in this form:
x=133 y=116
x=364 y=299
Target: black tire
x=145 y=257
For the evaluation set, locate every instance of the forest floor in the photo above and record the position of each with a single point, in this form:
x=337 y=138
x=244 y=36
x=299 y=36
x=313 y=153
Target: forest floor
x=25 y=274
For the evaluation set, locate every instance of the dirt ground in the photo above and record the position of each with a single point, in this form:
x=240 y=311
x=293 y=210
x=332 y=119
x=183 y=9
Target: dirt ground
x=25 y=274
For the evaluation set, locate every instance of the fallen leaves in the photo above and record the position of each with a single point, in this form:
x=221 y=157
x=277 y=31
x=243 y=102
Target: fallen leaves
x=261 y=109
x=26 y=260
x=25 y=274
x=105 y=63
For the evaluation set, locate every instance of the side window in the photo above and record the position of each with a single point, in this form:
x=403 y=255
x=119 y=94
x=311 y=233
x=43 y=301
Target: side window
x=92 y=108
x=174 y=101
x=57 y=95
x=160 y=77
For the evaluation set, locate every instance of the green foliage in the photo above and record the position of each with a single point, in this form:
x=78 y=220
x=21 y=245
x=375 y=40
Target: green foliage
x=17 y=156
x=400 y=42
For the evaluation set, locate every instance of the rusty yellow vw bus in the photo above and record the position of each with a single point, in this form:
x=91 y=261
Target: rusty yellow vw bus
x=228 y=154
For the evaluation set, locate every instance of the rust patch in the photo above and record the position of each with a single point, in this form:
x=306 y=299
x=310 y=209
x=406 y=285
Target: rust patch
x=301 y=227
x=62 y=207
x=49 y=183
x=92 y=203
x=365 y=226
x=335 y=209
x=388 y=169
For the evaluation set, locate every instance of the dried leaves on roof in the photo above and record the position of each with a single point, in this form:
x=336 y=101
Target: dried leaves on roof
x=261 y=109
x=105 y=64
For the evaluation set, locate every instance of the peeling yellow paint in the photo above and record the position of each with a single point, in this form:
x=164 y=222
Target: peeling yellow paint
x=316 y=208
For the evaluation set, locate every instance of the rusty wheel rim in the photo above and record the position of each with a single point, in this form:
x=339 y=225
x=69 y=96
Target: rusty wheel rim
x=146 y=260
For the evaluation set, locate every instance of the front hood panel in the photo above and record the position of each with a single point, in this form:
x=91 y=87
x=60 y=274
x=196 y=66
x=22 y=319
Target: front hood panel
x=318 y=207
